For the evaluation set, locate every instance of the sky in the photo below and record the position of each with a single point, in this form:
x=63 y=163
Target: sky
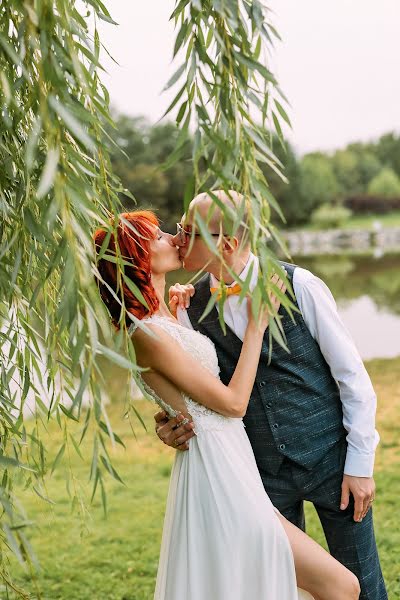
x=338 y=64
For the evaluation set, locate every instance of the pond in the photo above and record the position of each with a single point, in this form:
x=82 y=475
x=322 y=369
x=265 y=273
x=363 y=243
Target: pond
x=367 y=292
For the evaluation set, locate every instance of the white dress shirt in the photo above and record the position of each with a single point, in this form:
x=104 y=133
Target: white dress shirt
x=320 y=315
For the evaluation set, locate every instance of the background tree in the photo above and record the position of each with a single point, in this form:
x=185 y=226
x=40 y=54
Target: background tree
x=318 y=182
x=368 y=164
x=345 y=165
x=388 y=151
x=148 y=148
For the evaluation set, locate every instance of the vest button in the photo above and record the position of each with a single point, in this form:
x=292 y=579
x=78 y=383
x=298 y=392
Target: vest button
x=262 y=383
x=282 y=446
x=268 y=405
x=275 y=425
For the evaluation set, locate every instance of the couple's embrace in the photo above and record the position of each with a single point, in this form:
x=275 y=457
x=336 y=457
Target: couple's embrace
x=234 y=516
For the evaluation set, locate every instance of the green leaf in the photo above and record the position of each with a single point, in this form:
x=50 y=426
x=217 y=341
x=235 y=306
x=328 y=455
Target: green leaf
x=277 y=335
x=135 y=290
x=32 y=143
x=221 y=315
x=181 y=112
x=111 y=469
x=254 y=65
x=9 y=462
x=210 y=305
x=74 y=126
x=68 y=413
x=282 y=112
x=42 y=496
x=5 y=84
x=58 y=458
x=106 y=18
x=76 y=447
x=103 y=497
x=111 y=435
x=116 y=358
x=205 y=233
x=16 y=59
x=174 y=101
x=175 y=77
x=49 y=172
x=77 y=401
x=181 y=37
x=13 y=543
x=138 y=415
x=33 y=226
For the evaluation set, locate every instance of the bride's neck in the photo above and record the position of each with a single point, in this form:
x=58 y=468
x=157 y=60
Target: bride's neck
x=158 y=282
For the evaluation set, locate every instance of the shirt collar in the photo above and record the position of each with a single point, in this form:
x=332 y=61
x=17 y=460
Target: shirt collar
x=253 y=260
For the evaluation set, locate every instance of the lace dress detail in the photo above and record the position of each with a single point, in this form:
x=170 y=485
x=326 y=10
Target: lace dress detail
x=221 y=537
x=203 y=350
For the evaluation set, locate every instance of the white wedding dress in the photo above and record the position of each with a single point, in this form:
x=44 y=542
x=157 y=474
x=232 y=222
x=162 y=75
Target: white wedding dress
x=222 y=539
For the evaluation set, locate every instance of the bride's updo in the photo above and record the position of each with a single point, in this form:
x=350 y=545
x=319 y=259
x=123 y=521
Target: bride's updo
x=134 y=247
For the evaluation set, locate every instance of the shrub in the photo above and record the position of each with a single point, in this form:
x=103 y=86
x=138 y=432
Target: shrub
x=328 y=215
x=361 y=205
x=386 y=184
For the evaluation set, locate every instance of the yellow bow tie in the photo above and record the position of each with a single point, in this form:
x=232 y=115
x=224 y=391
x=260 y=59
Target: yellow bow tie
x=229 y=291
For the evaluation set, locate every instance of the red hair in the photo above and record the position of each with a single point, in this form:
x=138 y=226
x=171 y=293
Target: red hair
x=134 y=247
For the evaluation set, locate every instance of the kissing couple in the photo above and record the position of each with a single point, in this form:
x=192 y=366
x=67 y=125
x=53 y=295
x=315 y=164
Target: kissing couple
x=255 y=435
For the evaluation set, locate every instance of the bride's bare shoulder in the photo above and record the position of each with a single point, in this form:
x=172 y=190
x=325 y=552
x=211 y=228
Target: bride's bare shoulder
x=151 y=337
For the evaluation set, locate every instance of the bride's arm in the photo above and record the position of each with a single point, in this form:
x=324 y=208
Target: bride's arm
x=165 y=356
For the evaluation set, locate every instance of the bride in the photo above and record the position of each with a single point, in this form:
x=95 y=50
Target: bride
x=222 y=537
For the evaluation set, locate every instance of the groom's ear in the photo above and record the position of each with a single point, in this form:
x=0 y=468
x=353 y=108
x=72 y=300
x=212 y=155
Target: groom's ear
x=230 y=244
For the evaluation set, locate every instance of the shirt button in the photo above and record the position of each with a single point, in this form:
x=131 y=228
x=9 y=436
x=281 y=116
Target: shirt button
x=275 y=425
x=262 y=383
x=282 y=446
x=268 y=405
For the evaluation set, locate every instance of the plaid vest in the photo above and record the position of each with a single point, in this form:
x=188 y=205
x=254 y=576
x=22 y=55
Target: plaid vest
x=295 y=409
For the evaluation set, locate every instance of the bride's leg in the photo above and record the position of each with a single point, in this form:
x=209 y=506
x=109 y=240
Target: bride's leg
x=317 y=571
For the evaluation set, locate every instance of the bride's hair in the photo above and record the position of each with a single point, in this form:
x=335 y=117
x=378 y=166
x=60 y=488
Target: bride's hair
x=135 y=230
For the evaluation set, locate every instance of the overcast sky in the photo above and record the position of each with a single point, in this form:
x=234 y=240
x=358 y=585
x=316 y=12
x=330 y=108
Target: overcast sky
x=338 y=64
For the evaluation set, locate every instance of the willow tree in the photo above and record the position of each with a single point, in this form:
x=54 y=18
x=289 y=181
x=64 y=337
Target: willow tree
x=56 y=186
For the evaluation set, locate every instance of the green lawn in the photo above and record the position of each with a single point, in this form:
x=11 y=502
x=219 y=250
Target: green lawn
x=91 y=558
x=362 y=222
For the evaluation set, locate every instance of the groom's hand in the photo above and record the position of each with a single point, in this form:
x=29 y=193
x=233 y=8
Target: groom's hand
x=363 y=491
x=171 y=432
x=179 y=295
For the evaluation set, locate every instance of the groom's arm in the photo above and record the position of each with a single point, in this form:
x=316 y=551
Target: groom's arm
x=357 y=395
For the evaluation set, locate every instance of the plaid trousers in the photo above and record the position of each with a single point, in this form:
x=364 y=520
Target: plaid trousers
x=352 y=544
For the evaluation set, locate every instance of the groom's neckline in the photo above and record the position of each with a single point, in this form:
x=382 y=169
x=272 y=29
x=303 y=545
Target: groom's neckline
x=215 y=282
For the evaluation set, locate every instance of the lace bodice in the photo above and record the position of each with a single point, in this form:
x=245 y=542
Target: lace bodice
x=203 y=350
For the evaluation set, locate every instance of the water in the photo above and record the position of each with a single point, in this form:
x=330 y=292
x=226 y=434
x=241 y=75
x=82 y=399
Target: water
x=367 y=292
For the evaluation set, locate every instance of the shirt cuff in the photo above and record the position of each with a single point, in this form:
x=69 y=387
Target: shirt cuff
x=359 y=465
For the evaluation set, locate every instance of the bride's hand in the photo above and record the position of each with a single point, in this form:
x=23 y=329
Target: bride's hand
x=262 y=320
x=179 y=295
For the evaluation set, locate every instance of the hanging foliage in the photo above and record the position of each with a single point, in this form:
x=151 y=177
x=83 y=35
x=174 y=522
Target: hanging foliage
x=56 y=187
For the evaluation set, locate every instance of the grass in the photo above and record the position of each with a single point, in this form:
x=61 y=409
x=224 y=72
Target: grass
x=361 y=222
x=84 y=556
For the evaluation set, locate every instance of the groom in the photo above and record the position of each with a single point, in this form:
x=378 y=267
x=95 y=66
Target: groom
x=311 y=416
